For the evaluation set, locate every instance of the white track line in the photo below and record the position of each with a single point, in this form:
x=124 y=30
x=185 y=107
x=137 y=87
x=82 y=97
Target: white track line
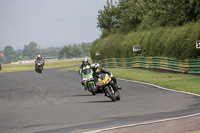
x=139 y=124
x=151 y=122
x=160 y=87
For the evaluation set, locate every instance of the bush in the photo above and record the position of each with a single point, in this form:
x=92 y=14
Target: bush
x=176 y=42
x=108 y=47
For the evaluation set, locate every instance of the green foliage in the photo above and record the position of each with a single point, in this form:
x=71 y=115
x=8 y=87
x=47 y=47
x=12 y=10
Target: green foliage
x=177 y=42
x=49 y=64
x=50 y=52
x=10 y=55
x=183 y=82
x=2 y=60
x=74 y=51
x=134 y=15
x=31 y=50
x=106 y=16
x=109 y=47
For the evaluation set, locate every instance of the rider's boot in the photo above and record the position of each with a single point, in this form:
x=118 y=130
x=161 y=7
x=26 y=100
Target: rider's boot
x=98 y=89
x=119 y=87
x=36 y=69
x=82 y=83
x=115 y=81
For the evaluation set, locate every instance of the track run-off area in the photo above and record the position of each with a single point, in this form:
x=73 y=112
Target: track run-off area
x=56 y=102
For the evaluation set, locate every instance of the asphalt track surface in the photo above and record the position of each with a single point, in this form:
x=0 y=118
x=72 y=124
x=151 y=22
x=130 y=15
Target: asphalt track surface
x=56 y=102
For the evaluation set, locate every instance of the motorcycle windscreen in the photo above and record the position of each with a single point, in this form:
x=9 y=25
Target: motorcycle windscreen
x=86 y=71
x=103 y=76
x=39 y=61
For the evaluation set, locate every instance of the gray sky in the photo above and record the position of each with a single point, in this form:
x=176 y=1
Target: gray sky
x=48 y=22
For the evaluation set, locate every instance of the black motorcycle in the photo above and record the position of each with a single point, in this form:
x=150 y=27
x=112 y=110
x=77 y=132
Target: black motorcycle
x=39 y=66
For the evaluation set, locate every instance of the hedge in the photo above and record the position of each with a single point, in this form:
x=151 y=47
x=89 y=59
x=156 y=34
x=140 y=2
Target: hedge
x=172 y=42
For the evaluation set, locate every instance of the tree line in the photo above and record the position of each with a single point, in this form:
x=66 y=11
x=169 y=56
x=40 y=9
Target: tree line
x=163 y=28
x=32 y=49
x=139 y=15
x=75 y=51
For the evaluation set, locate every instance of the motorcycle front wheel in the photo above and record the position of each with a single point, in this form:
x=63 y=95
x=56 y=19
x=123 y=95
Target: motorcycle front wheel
x=117 y=95
x=110 y=92
x=91 y=87
x=40 y=69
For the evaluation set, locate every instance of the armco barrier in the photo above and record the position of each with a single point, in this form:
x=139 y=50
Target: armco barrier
x=185 y=66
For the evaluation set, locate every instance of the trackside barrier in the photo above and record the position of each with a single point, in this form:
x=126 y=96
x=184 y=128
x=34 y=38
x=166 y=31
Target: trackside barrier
x=185 y=66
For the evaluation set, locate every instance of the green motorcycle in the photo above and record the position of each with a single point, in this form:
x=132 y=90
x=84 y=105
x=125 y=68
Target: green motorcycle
x=88 y=80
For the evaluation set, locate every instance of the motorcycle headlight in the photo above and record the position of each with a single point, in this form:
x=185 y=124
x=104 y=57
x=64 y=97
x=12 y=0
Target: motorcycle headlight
x=100 y=83
x=91 y=77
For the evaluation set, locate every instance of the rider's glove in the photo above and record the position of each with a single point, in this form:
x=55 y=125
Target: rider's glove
x=111 y=75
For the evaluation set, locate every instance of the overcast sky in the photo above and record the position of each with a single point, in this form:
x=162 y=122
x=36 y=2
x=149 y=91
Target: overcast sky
x=48 y=22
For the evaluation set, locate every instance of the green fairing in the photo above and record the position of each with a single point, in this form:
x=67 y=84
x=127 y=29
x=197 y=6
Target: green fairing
x=87 y=71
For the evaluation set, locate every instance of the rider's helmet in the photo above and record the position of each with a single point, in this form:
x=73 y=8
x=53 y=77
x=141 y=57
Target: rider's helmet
x=95 y=67
x=85 y=61
x=38 y=57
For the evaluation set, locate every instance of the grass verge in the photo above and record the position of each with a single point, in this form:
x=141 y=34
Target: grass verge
x=48 y=64
x=177 y=81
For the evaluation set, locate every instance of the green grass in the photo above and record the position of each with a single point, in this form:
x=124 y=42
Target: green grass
x=194 y=132
x=177 y=81
x=70 y=69
x=48 y=64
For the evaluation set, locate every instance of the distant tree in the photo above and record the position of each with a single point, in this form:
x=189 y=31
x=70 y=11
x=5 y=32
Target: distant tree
x=9 y=54
x=50 y=52
x=75 y=51
x=64 y=52
x=31 y=50
x=86 y=49
x=2 y=60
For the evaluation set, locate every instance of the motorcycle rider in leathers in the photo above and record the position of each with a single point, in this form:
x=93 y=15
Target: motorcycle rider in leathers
x=98 y=71
x=39 y=58
x=84 y=64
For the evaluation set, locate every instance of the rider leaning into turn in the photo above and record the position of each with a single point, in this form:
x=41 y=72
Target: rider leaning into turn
x=98 y=71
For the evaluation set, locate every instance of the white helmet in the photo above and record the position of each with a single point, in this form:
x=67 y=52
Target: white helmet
x=85 y=60
x=38 y=56
x=95 y=65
